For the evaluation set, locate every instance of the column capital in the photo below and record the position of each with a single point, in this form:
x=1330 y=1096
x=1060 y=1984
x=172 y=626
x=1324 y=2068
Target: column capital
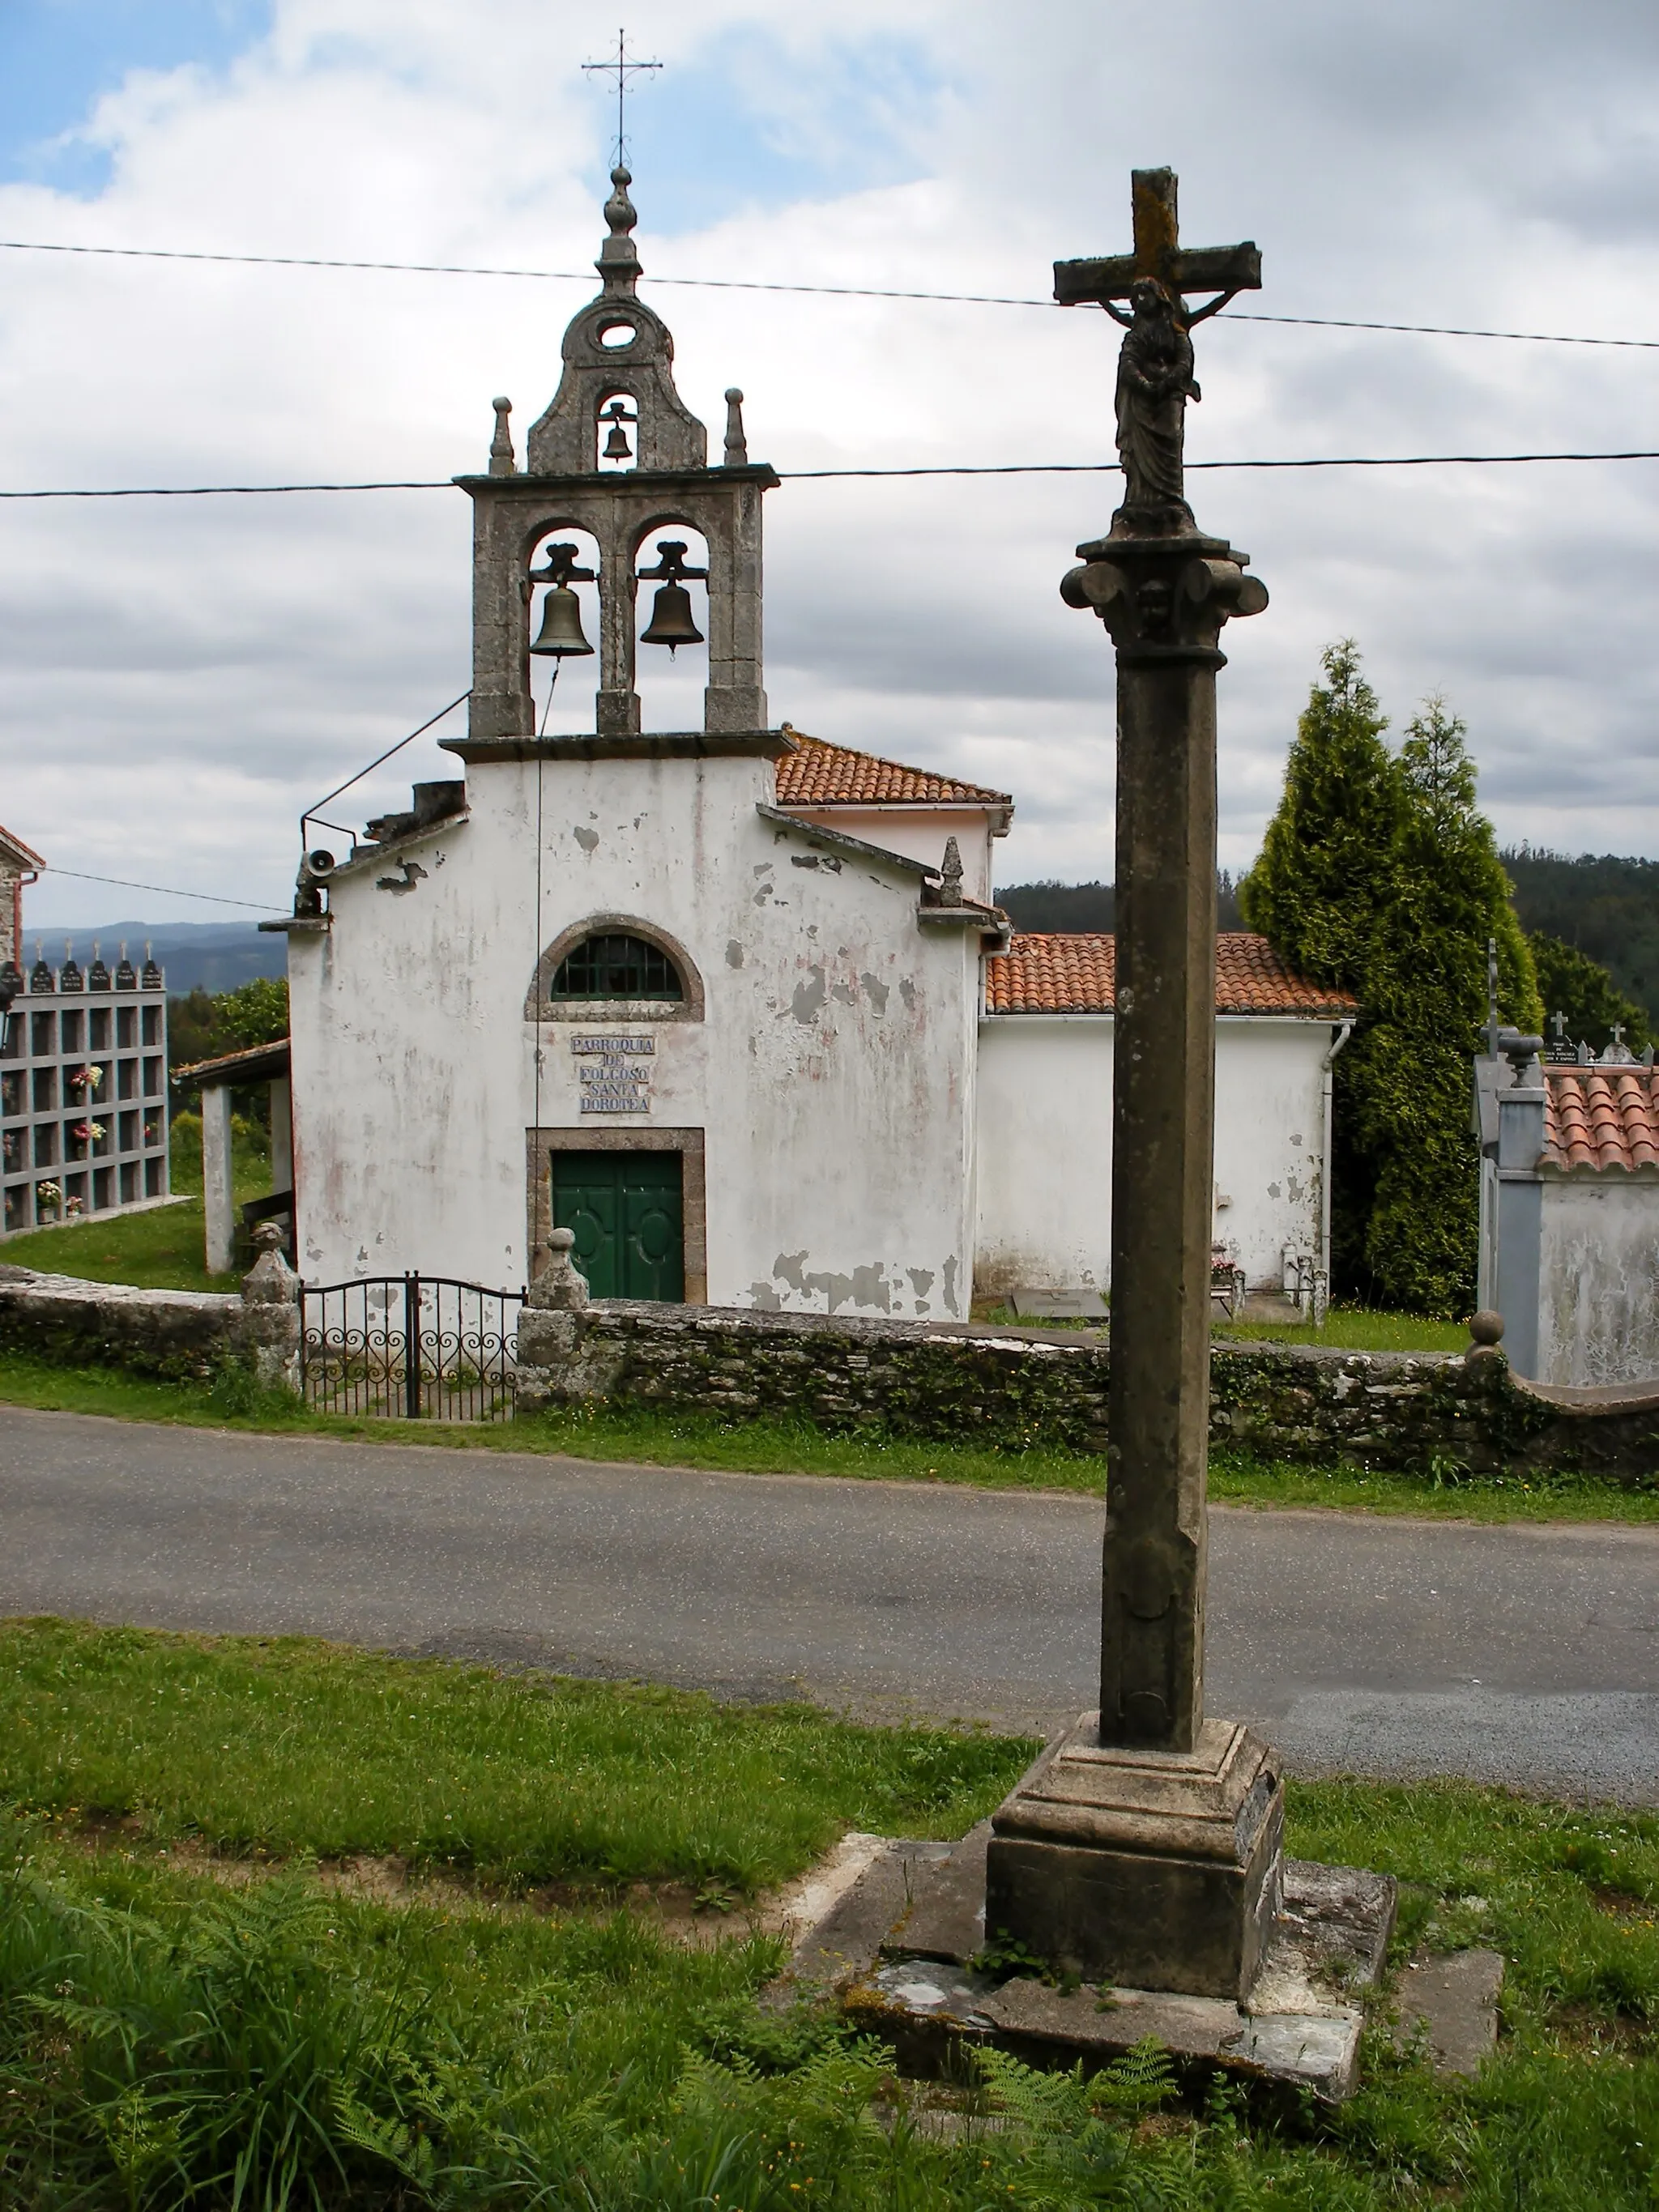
x=1164 y=599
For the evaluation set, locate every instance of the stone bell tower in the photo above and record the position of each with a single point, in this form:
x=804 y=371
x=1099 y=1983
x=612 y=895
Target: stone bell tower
x=618 y=381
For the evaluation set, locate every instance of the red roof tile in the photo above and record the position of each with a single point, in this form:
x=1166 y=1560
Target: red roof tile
x=1078 y=974
x=822 y=775
x=1600 y=1117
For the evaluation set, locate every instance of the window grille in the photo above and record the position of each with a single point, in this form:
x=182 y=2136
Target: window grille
x=616 y=967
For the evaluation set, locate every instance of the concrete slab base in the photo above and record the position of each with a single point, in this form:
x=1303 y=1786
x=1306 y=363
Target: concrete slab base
x=901 y=1952
x=1447 y=2007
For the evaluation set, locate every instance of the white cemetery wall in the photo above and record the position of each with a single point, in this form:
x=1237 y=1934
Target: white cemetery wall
x=1598 y=1303
x=831 y=1079
x=1043 y=1169
x=920 y=832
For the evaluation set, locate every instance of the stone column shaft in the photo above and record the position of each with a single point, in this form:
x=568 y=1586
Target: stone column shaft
x=1152 y=1693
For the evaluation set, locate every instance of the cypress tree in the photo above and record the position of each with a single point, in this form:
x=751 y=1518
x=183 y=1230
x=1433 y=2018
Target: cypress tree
x=1379 y=874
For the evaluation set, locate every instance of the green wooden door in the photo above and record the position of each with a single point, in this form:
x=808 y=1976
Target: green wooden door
x=626 y=1210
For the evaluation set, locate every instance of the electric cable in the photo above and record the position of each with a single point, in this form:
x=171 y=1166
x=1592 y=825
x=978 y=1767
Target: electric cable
x=164 y=890
x=758 y=285
x=820 y=476
x=312 y=813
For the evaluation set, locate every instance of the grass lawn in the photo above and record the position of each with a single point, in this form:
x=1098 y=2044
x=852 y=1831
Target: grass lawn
x=160 y=1250
x=1347 y=1328
x=771 y=1447
x=1350 y=1329
x=165 y=2039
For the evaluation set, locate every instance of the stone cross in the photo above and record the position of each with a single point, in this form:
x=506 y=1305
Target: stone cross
x=1155 y=367
x=1159 y=253
x=1148 y=1850
x=1164 y=592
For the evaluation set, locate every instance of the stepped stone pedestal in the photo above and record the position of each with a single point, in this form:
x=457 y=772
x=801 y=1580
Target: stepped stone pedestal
x=1158 y=1869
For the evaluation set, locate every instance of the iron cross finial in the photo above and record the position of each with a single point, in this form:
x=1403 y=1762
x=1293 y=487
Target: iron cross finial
x=624 y=67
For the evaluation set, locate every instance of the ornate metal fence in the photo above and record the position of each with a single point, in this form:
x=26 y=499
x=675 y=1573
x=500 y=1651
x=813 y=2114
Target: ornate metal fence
x=410 y=1348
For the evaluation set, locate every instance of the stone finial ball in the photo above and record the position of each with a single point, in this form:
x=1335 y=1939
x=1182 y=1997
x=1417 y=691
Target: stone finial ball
x=733 y=396
x=269 y=1236
x=561 y=1240
x=1486 y=1326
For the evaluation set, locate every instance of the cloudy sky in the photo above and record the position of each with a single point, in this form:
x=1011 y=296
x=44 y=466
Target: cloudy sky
x=179 y=677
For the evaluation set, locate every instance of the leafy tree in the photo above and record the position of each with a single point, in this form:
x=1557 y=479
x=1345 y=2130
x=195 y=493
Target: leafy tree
x=1571 y=984
x=1379 y=874
x=254 y=1013
x=203 y=1027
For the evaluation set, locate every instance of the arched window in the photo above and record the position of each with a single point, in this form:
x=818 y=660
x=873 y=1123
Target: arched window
x=614 y=966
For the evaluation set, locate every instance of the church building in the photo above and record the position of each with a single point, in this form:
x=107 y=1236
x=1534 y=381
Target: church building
x=733 y=1003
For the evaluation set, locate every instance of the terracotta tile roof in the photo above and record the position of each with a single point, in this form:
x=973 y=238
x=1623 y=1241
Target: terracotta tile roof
x=1600 y=1117
x=822 y=775
x=1078 y=974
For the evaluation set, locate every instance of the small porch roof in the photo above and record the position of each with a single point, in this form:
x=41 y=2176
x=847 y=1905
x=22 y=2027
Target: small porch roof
x=255 y=1063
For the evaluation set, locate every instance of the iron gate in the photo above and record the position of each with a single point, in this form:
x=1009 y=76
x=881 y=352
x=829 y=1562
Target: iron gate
x=410 y=1348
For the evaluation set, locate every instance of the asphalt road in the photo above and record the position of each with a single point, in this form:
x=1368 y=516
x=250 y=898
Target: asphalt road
x=1527 y=1654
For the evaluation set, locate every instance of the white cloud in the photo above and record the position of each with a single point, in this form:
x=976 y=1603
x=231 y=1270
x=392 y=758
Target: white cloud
x=178 y=678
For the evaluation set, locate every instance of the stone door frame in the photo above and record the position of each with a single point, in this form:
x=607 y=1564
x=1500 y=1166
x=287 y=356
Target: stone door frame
x=540 y=1144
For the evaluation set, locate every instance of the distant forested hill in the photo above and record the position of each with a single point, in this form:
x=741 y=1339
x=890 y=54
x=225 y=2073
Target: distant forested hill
x=1606 y=907
x=1070 y=908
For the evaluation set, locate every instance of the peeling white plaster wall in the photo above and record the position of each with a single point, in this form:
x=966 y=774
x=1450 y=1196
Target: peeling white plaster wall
x=1598 y=1308
x=1044 y=1165
x=832 y=1075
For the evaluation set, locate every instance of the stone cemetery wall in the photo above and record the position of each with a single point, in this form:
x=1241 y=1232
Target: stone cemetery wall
x=1013 y=1389
x=181 y=1336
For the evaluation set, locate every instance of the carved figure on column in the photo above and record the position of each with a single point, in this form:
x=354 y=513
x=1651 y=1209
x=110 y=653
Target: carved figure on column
x=1154 y=383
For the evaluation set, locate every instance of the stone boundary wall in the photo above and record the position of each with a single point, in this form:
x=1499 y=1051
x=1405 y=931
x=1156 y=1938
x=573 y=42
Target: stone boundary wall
x=180 y=1336
x=1017 y=1387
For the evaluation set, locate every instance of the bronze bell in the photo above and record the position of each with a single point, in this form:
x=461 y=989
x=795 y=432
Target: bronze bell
x=671 y=622
x=561 y=632
x=617 y=447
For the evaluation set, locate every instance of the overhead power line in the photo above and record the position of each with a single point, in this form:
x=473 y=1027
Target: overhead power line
x=164 y=890
x=820 y=476
x=758 y=285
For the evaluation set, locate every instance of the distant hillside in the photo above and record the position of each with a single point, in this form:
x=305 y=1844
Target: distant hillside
x=1608 y=908
x=215 y=955
x=1070 y=909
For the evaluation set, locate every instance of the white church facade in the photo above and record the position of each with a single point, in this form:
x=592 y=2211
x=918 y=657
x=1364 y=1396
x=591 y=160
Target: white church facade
x=733 y=1004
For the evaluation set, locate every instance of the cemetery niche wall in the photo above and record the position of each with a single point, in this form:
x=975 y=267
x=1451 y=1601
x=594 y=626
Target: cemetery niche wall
x=1570 y=1209
x=83 y=1111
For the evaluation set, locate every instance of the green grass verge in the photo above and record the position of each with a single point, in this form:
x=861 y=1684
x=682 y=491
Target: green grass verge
x=289 y=1745
x=771 y=1447
x=165 y=2043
